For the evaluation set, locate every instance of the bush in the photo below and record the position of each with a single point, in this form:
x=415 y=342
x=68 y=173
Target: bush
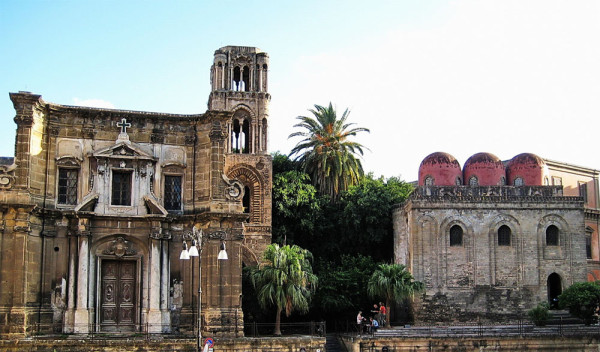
x=539 y=315
x=582 y=300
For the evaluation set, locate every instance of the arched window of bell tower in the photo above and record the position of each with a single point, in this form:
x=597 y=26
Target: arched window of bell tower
x=235 y=136
x=246 y=136
x=245 y=79
x=237 y=78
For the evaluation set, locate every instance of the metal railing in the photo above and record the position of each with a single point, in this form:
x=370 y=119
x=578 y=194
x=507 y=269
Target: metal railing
x=519 y=328
x=267 y=329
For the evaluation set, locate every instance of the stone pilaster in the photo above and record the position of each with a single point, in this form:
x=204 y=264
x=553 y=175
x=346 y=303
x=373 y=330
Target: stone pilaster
x=154 y=316
x=82 y=319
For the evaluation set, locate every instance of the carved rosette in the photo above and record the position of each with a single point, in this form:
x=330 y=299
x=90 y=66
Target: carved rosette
x=7 y=178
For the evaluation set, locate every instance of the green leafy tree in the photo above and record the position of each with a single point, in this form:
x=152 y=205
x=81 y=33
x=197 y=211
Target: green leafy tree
x=285 y=280
x=582 y=300
x=366 y=214
x=343 y=286
x=282 y=163
x=326 y=152
x=296 y=208
x=394 y=283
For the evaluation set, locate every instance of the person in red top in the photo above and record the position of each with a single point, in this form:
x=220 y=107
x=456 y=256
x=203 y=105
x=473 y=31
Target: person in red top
x=382 y=314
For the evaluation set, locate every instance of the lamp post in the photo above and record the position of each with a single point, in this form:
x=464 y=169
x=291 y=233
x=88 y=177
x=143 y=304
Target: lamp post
x=198 y=240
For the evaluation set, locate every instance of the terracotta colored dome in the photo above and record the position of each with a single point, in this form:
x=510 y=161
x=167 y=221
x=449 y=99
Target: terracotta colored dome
x=484 y=169
x=527 y=170
x=440 y=169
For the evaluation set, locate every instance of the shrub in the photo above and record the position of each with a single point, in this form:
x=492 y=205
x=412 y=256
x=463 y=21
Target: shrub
x=539 y=315
x=582 y=300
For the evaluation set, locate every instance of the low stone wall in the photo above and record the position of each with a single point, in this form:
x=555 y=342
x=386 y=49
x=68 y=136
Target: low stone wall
x=467 y=344
x=139 y=344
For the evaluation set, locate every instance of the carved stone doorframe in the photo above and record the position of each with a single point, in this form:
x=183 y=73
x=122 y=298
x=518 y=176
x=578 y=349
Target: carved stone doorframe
x=119 y=249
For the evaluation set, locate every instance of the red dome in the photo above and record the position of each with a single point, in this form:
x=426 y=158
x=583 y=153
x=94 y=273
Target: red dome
x=440 y=169
x=528 y=170
x=487 y=170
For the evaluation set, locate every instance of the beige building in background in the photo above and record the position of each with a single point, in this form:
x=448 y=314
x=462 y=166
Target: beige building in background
x=96 y=204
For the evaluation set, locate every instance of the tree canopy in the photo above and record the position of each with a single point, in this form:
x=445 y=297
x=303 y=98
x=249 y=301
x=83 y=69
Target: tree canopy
x=393 y=283
x=326 y=152
x=285 y=280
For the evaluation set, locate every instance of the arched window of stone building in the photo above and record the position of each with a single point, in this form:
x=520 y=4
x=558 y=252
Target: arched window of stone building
x=245 y=79
x=546 y=181
x=237 y=77
x=246 y=135
x=502 y=181
x=519 y=181
x=552 y=235
x=458 y=181
x=504 y=236
x=246 y=200
x=473 y=181
x=456 y=236
x=235 y=136
x=428 y=181
x=589 y=232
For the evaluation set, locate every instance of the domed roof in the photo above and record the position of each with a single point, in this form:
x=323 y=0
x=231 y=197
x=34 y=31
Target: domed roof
x=440 y=169
x=527 y=169
x=482 y=158
x=439 y=158
x=527 y=158
x=484 y=169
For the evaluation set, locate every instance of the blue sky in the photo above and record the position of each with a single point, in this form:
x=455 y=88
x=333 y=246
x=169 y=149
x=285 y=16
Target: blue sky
x=458 y=76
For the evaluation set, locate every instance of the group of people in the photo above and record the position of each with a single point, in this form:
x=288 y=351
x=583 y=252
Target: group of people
x=378 y=318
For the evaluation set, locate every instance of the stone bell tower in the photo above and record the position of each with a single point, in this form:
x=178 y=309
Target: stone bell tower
x=239 y=79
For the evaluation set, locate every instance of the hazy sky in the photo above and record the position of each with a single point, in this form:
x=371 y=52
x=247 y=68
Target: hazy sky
x=463 y=77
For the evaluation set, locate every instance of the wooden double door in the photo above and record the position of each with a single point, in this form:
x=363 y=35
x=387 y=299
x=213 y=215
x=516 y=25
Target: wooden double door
x=118 y=300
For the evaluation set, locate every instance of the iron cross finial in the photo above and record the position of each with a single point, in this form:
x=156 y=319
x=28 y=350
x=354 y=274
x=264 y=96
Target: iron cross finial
x=124 y=125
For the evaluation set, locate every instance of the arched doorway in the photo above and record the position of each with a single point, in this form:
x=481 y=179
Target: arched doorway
x=554 y=290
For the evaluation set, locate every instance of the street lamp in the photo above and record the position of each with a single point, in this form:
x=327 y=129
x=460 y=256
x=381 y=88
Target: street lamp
x=198 y=240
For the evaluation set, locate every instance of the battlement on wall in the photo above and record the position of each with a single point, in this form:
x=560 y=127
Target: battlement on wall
x=493 y=194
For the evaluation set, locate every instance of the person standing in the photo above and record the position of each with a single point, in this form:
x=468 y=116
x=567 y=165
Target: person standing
x=359 y=321
x=382 y=314
x=375 y=312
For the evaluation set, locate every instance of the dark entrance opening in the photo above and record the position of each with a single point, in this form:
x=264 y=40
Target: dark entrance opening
x=117 y=304
x=554 y=290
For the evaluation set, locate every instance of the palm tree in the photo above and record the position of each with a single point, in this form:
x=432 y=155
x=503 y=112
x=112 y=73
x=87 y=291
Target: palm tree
x=326 y=152
x=394 y=283
x=285 y=280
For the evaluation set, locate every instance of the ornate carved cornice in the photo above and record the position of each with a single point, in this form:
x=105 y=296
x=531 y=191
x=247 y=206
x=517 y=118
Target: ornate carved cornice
x=493 y=194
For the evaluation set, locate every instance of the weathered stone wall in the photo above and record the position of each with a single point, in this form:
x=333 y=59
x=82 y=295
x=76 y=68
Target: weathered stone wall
x=481 y=278
x=52 y=254
x=292 y=344
x=467 y=344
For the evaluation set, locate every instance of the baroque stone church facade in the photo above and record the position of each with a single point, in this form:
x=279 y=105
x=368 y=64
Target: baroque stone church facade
x=494 y=239
x=97 y=203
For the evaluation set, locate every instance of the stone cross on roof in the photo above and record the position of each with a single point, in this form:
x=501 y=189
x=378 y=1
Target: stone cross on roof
x=124 y=125
x=123 y=136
